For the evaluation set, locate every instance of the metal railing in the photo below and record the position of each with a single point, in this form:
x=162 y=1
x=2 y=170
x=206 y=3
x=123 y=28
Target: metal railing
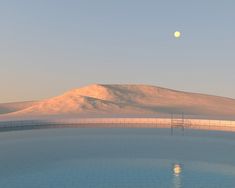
x=204 y=124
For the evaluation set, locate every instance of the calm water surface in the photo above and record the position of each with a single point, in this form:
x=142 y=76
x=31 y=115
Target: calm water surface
x=113 y=158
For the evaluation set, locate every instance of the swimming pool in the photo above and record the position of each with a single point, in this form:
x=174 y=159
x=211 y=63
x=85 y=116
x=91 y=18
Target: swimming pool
x=100 y=158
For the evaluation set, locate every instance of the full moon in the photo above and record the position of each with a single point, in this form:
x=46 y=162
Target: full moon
x=177 y=34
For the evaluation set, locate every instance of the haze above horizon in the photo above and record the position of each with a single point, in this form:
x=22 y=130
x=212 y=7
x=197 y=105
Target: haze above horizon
x=49 y=47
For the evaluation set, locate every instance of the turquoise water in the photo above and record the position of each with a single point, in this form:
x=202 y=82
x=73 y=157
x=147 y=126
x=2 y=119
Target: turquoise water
x=113 y=158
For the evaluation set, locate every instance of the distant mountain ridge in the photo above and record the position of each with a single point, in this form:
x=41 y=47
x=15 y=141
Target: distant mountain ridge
x=127 y=99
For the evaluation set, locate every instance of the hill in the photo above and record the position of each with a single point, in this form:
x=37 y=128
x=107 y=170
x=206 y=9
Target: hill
x=15 y=106
x=128 y=99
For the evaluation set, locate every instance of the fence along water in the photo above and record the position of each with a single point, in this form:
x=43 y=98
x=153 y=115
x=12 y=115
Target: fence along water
x=203 y=124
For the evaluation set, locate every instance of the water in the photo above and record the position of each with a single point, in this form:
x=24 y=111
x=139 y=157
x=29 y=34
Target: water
x=113 y=158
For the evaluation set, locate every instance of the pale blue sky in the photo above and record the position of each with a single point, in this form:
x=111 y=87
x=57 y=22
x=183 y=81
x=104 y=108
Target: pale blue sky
x=50 y=46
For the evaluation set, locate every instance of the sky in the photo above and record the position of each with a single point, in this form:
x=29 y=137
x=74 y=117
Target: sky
x=50 y=46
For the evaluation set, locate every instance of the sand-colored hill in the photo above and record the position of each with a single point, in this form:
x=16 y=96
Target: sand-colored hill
x=15 y=106
x=129 y=99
